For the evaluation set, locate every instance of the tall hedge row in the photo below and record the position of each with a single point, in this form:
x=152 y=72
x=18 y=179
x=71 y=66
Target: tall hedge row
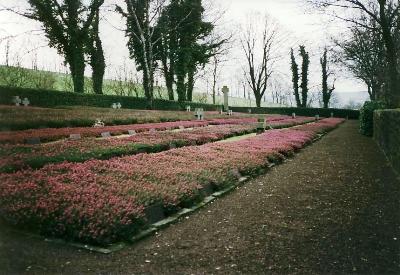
x=341 y=113
x=50 y=98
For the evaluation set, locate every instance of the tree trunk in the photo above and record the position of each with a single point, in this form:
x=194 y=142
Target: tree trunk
x=169 y=81
x=169 y=77
x=258 y=100
x=97 y=60
x=394 y=93
x=190 y=85
x=180 y=86
x=148 y=86
x=77 y=67
x=98 y=67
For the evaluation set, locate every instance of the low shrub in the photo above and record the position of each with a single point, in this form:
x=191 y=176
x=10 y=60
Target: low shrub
x=52 y=98
x=310 y=112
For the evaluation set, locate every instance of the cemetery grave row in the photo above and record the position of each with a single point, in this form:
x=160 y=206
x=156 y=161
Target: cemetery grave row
x=15 y=157
x=19 y=156
x=53 y=134
x=102 y=201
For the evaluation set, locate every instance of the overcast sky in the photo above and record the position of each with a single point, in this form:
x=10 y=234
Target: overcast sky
x=311 y=29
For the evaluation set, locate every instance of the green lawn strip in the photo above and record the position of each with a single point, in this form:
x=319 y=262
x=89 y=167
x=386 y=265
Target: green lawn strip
x=14 y=118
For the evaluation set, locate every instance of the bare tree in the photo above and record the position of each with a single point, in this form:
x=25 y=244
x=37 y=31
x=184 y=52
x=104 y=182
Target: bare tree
x=363 y=54
x=259 y=43
x=141 y=17
x=386 y=14
x=326 y=73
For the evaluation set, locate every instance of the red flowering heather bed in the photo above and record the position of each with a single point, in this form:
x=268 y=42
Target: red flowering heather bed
x=103 y=201
x=16 y=157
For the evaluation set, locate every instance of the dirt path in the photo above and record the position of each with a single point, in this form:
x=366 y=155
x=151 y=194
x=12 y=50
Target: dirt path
x=334 y=208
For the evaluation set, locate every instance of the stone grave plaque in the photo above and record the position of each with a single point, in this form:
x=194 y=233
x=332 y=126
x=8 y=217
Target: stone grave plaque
x=154 y=213
x=181 y=127
x=106 y=134
x=75 y=136
x=33 y=141
x=131 y=132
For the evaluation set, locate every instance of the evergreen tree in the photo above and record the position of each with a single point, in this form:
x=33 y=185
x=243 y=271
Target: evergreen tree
x=295 y=78
x=67 y=26
x=326 y=91
x=304 y=75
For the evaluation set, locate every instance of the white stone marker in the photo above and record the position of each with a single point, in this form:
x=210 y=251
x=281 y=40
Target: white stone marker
x=132 y=132
x=75 y=136
x=188 y=108
x=17 y=101
x=106 y=135
x=26 y=102
x=294 y=115
x=225 y=90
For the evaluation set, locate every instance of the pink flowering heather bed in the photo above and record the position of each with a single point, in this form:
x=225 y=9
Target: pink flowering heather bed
x=19 y=156
x=52 y=134
x=103 y=201
x=16 y=157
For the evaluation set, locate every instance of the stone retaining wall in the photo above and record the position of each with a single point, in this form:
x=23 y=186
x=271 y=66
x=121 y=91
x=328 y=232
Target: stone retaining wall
x=387 y=134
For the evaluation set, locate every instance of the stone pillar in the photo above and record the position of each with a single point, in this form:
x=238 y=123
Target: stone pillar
x=225 y=90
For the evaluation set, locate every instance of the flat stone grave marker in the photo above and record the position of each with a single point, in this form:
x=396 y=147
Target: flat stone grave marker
x=154 y=213
x=132 y=132
x=33 y=141
x=75 y=136
x=181 y=127
x=106 y=134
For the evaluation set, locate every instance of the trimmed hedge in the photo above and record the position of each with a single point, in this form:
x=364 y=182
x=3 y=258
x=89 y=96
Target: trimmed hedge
x=52 y=98
x=367 y=117
x=340 y=113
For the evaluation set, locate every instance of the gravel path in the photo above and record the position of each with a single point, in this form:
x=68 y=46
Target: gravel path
x=334 y=208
